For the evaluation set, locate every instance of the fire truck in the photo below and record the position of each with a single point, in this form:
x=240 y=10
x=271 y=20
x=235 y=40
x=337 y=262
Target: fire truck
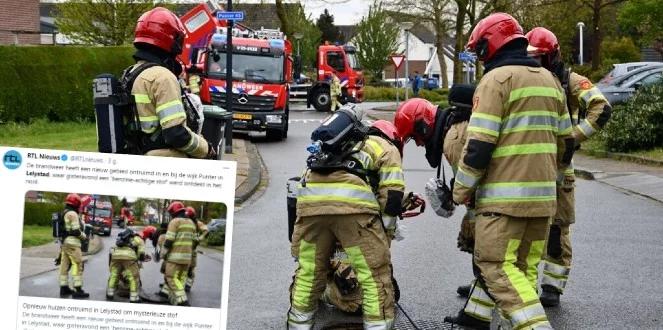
x=97 y=213
x=339 y=60
x=261 y=70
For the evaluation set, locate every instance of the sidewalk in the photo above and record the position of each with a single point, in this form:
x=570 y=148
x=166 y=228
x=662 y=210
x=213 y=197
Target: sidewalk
x=39 y=259
x=249 y=166
x=644 y=180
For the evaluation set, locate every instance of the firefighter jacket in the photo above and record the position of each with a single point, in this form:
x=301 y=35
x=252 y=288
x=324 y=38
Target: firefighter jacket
x=335 y=87
x=454 y=141
x=201 y=229
x=158 y=98
x=179 y=240
x=519 y=130
x=589 y=108
x=131 y=252
x=341 y=192
x=72 y=226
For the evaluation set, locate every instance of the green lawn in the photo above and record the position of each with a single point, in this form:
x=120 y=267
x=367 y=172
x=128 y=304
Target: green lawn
x=656 y=153
x=48 y=135
x=36 y=235
x=595 y=146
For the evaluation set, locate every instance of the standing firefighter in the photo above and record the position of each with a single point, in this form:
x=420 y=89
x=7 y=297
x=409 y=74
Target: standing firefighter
x=158 y=95
x=71 y=257
x=335 y=203
x=124 y=257
x=178 y=249
x=590 y=111
x=201 y=232
x=335 y=91
x=518 y=133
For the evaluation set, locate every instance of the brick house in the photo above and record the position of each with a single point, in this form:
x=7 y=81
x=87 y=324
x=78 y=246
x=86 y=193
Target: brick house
x=19 y=22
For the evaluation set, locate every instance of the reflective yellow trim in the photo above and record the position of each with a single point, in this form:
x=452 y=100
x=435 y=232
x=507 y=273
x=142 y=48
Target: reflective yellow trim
x=168 y=104
x=142 y=99
x=376 y=147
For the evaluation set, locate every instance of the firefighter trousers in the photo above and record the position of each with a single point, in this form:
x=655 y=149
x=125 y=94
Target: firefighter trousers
x=557 y=262
x=364 y=241
x=71 y=262
x=175 y=275
x=507 y=253
x=130 y=272
x=191 y=274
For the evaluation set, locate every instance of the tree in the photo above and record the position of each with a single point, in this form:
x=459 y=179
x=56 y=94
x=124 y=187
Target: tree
x=298 y=21
x=643 y=18
x=376 y=40
x=326 y=25
x=598 y=7
x=282 y=13
x=105 y=22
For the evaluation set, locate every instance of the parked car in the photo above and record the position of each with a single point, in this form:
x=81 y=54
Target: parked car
x=622 y=69
x=622 y=88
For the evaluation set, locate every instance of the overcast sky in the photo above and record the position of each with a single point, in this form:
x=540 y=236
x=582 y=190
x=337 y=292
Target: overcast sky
x=345 y=12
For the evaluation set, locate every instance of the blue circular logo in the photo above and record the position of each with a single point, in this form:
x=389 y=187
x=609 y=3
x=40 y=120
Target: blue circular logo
x=12 y=159
x=64 y=157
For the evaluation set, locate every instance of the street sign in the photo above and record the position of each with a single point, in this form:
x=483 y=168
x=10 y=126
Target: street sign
x=230 y=15
x=467 y=56
x=398 y=60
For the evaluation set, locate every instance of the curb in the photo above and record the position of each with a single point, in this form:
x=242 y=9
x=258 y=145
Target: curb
x=385 y=109
x=585 y=173
x=623 y=157
x=248 y=187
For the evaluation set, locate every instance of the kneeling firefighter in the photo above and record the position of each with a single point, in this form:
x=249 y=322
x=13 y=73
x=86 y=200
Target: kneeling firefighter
x=124 y=263
x=336 y=203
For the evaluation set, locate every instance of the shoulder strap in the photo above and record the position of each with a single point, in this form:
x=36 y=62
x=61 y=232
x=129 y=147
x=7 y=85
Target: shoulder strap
x=566 y=84
x=131 y=73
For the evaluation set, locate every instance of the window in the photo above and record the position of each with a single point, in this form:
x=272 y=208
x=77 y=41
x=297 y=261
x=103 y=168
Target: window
x=651 y=79
x=336 y=61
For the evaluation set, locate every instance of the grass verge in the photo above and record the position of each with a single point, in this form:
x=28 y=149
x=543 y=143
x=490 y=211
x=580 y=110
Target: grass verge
x=596 y=147
x=77 y=136
x=36 y=235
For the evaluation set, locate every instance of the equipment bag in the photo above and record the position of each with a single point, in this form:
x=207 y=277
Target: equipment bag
x=57 y=223
x=291 y=185
x=118 y=126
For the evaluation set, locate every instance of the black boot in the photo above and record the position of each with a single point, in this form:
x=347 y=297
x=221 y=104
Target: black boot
x=80 y=294
x=184 y=303
x=464 y=290
x=549 y=296
x=467 y=321
x=65 y=291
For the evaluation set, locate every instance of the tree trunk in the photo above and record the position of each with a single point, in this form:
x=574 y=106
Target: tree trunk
x=596 y=35
x=460 y=22
x=283 y=18
x=439 y=43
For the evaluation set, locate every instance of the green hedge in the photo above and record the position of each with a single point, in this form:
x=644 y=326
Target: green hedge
x=39 y=214
x=54 y=82
x=372 y=93
x=637 y=125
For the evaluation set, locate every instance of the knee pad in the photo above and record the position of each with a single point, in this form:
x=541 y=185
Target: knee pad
x=555 y=242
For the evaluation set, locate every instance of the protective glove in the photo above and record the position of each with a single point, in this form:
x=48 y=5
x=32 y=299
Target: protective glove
x=440 y=198
x=399 y=233
x=466 y=234
x=211 y=153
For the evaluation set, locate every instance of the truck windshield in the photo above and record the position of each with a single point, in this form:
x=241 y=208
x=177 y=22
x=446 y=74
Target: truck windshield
x=264 y=69
x=103 y=213
x=353 y=62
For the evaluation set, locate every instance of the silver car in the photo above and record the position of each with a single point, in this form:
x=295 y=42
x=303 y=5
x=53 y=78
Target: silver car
x=621 y=69
x=622 y=88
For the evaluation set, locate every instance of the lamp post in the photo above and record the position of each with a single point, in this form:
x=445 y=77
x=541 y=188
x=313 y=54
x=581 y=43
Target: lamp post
x=298 y=36
x=580 y=25
x=406 y=27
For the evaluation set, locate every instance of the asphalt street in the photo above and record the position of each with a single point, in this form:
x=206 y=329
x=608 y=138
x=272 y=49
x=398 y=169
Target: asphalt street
x=614 y=283
x=206 y=291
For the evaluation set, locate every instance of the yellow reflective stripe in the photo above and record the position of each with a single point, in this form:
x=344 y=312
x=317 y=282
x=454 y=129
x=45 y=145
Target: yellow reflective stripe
x=394 y=182
x=465 y=179
x=586 y=128
x=486 y=116
x=391 y=169
x=370 y=301
x=183 y=243
x=391 y=176
x=168 y=104
x=483 y=130
x=533 y=259
x=531 y=113
x=525 y=149
x=142 y=99
x=333 y=198
x=304 y=277
x=171 y=117
x=191 y=146
x=524 y=92
x=336 y=185
x=515 y=275
x=376 y=147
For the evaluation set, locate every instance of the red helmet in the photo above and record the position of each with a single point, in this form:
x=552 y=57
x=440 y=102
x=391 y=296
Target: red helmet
x=415 y=118
x=147 y=232
x=541 y=42
x=388 y=129
x=190 y=213
x=159 y=27
x=492 y=33
x=73 y=200
x=175 y=207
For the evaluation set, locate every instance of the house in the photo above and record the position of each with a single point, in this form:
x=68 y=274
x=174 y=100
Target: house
x=19 y=22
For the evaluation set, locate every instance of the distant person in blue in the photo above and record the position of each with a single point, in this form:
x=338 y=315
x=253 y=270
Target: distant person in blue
x=416 y=83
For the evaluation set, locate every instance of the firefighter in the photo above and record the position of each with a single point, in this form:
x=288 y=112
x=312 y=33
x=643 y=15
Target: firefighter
x=201 y=233
x=177 y=252
x=124 y=257
x=590 y=111
x=335 y=93
x=519 y=135
x=339 y=206
x=158 y=95
x=149 y=232
x=71 y=257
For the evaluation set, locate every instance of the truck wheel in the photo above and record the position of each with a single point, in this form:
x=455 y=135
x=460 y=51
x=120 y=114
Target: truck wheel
x=274 y=134
x=322 y=100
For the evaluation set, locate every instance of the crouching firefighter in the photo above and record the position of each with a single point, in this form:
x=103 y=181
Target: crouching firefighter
x=71 y=257
x=336 y=203
x=124 y=264
x=146 y=112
